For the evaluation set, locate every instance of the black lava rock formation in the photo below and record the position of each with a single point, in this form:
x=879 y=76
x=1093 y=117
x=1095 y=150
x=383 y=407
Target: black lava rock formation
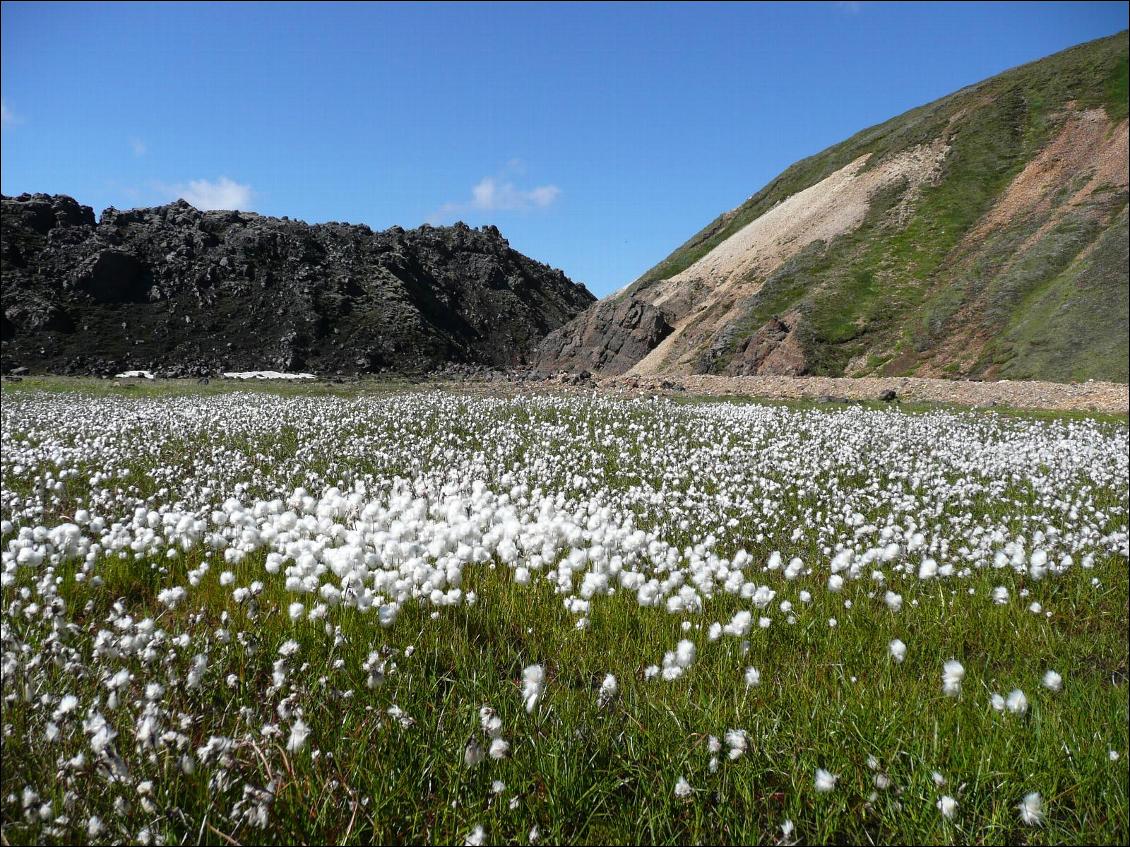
x=186 y=293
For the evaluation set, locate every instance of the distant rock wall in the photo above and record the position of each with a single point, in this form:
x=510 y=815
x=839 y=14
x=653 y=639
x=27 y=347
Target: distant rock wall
x=183 y=292
x=610 y=337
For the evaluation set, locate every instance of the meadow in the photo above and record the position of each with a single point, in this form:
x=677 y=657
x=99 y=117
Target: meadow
x=284 y=614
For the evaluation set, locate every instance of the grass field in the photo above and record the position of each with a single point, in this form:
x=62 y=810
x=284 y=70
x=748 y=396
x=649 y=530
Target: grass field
x=285 y=614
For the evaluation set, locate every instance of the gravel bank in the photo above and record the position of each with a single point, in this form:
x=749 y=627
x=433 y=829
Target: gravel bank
x=1108 y=397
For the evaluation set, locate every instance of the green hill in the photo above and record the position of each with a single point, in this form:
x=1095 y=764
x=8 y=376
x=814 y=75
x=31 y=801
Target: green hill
x=981 y=235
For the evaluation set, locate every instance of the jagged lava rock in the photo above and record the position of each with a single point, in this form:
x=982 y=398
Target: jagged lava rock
x=180 y=291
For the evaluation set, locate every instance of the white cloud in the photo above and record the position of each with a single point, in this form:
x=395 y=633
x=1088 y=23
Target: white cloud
x=500 y=194
x=491 y=195
x=7 y=116
x=221 y=194
x=138 y=146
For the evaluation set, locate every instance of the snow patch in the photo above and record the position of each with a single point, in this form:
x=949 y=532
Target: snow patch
x=266 y=375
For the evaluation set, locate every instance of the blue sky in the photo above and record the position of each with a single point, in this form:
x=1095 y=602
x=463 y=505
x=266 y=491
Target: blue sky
x=597 y=137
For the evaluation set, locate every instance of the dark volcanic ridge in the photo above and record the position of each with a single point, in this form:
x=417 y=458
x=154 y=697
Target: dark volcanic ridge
x=183 y=292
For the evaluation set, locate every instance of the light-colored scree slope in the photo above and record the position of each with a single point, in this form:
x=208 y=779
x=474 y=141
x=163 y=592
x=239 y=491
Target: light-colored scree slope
x=736 y=268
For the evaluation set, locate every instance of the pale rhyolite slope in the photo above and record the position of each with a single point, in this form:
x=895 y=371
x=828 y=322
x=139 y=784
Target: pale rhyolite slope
x=737 y=267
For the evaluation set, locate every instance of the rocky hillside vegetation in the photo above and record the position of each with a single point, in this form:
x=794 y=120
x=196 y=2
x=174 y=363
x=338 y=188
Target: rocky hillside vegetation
x=983 y=235
x=185 y=292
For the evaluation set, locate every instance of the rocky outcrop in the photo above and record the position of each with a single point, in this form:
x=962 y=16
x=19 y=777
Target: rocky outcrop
x=181 y=291
x=773 y=350
x=610 y=337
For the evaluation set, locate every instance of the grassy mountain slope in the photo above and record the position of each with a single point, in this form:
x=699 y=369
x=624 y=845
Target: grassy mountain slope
x=1008 y=259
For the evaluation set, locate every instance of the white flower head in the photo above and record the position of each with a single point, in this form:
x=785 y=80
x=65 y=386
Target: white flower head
x=1016 y=702
x=608 y=690
x=825 y=780
x=499 y=748
x=1032 y=809
x=533 y=683
x=473 y=754
x=299 y=732
x=738 y=742
x=952 y=674
x=948 y=807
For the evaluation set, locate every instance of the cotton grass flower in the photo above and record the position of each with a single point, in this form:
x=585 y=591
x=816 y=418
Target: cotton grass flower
x=533 y=682
x=1052 y=681
x=948 y=807
x=299 y=732
x=683 y=789
x=897 y=650
x=608 y=690
x=473 y=753
x=1016 y=702
x=787 y=829
x=952 y=674
x=1032 y=809
x=499 y=748
x=738 y=742
x=490 y=722
x=825 y=780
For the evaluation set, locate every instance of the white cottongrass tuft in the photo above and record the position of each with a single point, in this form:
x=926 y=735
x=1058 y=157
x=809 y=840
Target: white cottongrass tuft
x=685 y=653
x=299 y=731
x=1016 y=702
x=473 y=754
x=897 y=649
x=1032 y=809
x=738 y=741
x=952 y=674
x=1052 y=681
x=825 y=780
x=533 y=683
x=948 y=807
x=608 y=690
x=499 y=748
x=752 y=677
x=490 y=722
x=683 y=788
x=676 y=662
